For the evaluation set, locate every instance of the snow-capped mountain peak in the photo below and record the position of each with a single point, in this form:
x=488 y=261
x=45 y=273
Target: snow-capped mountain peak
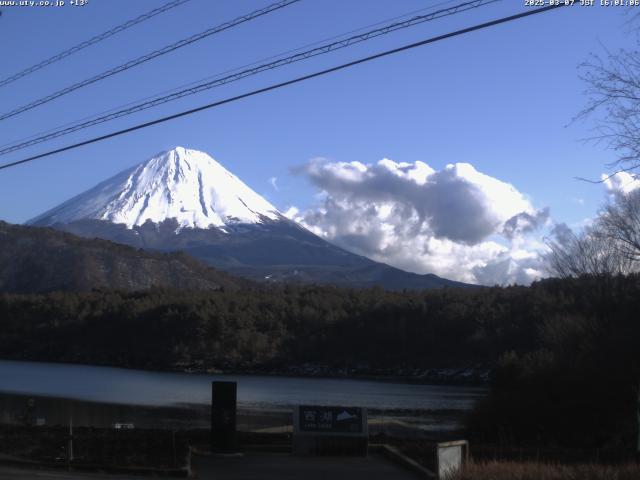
x=184 y=184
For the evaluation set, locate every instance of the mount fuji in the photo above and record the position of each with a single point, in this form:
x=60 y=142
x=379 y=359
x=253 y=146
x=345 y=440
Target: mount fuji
x=183 y=200
x=185 y=185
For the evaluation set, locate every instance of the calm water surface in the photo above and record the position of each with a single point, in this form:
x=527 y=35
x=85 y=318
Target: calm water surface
x=138 y=387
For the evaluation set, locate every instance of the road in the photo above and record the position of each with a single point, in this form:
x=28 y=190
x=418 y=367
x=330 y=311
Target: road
x=283 y=466
x=264 y=466
x=12 y=473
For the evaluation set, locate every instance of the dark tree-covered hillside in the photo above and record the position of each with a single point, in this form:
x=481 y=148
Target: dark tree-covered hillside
x=564 y=353
x=44 y=260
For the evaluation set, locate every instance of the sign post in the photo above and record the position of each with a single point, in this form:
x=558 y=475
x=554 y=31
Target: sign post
x=223 y=416
x=638 y=417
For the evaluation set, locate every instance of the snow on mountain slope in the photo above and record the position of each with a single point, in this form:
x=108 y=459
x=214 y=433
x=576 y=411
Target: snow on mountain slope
x=187 y=185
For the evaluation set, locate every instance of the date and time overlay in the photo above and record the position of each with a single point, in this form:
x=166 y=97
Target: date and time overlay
x=527 y=3
x=583 y=3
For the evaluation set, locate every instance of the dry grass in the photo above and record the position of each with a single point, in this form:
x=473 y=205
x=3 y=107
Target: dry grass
x=541 y=471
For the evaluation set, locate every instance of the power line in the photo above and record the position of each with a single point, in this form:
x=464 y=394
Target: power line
x=218 y=75
x=323 y=49
x=150 y=56
x=93 y=41
x=287 y=83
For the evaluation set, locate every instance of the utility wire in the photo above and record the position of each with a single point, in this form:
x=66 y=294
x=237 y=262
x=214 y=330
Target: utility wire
x=93 y=41
x=150 y=56
x=218 y=75
x=327 y=48
x=287 y=83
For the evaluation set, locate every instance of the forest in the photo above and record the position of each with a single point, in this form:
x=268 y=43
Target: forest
x=563 y=353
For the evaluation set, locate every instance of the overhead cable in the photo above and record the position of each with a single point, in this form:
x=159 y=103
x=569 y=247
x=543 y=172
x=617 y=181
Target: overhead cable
x=280 y=62
x=277 y=86
x=93 y=40
x=149 y=56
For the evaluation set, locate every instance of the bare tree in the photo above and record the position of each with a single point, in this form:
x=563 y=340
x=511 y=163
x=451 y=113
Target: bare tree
x=608 y=247
x=587 y=253
x=619 y=223
x=613 y=89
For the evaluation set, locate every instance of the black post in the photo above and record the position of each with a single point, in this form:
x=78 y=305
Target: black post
x=223 y=416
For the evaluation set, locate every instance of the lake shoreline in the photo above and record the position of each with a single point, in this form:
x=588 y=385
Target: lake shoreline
x=44 y=412
x=468 y=376
x=465 y=376
x=190 y=393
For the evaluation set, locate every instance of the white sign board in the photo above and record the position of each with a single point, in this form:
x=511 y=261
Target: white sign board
x=451 y=456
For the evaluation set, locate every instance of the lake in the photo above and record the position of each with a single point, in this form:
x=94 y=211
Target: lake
x=139 y=387
x=102 y=396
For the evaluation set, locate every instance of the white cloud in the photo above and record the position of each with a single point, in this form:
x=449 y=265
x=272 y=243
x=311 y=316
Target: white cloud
x=457 y=222
x=292 y=213
x=525 y=222
x=273 y=183
x=620 y=183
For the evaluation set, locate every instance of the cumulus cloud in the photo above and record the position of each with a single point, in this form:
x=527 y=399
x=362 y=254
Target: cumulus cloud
x=620 y=183
x=509 y=269
x=562 y=234
x=525 y=222
x=291 y=213
x=456 y=222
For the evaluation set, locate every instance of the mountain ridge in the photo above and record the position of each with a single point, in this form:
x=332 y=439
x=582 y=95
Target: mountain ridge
x=38 y=260
x=183 y=200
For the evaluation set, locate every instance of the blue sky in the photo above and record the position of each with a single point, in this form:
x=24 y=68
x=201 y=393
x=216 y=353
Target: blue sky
x=499 y=99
